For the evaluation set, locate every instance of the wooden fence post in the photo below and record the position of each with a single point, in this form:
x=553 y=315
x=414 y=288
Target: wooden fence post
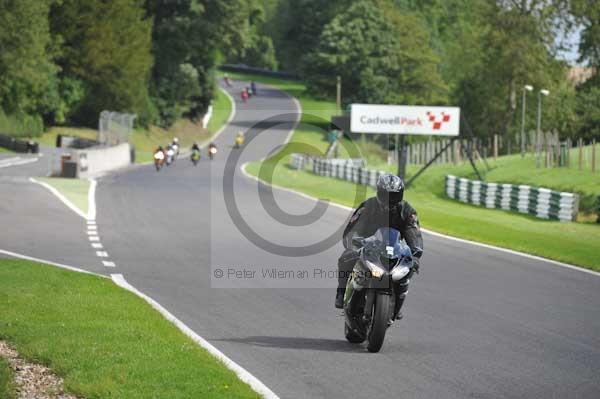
x=593 y=155
x=495 y=147
x=580 y=151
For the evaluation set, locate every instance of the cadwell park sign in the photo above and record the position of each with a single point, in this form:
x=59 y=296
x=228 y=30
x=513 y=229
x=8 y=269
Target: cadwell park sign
x=401 y=119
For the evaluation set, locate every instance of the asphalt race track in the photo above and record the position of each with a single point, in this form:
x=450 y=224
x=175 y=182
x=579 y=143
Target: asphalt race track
x=479 y=323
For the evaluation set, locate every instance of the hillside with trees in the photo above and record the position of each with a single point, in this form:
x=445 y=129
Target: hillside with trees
x=64 y=61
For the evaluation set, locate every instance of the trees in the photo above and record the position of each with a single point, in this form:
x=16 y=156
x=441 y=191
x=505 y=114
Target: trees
x=26 y=67
x=381 y=55
x=106 y=47
x=296 y=26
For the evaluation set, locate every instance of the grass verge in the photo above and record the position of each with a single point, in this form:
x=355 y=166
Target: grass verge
x=7 y=389
x=104 y=341
x=575 y=243
x=6 y=151
x=75 y=190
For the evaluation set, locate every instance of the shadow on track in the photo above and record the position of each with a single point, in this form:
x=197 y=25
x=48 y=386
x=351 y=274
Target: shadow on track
x=320 y=344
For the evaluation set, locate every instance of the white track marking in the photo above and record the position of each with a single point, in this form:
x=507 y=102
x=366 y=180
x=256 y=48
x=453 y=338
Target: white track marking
x=512 y=252
x=16 y=161
x=97 y=245
x=102 y=254
x=108 y=263
x=92 y=233
x=9 y=160
x=74 y=269
x=91 y=222
x=61 y=197
x=92 y=200
x=229 y=118
x=94 y=238
x=92 y=227
x=242 y=373
x=433 y=233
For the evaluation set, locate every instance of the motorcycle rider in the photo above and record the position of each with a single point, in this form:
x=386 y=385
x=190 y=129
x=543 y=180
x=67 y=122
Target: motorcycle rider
x=212 y=150
x=239 y=139
x=386 y=209
x=175 y=145
x=195 y=147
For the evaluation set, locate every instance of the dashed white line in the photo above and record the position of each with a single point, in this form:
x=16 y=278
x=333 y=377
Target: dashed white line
x=92 y=227
x=91 y=215
x=108 y=263
x=94 y=238
x=92 y=233
x=91 y=222
x=102 y=254
x=97 y=245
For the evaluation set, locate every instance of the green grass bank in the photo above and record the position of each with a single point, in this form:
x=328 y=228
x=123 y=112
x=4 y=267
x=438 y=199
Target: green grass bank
x=7 y=389
x=75 y=190
x=575 y=243
x=104 y=341
x=147 y=140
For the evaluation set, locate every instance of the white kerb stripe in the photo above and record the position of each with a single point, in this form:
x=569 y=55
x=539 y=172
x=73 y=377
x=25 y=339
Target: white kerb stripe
x=242 y=373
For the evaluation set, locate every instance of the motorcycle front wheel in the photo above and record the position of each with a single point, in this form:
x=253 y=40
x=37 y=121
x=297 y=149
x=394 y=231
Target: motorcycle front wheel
x=379 y=323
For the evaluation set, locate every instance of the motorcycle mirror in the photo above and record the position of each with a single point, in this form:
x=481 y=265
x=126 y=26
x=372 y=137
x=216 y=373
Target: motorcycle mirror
x=417 y=252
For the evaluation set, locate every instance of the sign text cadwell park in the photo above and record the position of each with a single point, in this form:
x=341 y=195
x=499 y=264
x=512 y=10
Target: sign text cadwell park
x=401 y=119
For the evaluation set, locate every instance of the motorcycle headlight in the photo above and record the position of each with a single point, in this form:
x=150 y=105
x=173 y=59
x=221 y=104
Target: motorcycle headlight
x=376 y=271
x=399 y=272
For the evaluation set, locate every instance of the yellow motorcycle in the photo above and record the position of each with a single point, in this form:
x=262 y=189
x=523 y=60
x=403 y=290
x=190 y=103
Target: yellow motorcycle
x=239 y=140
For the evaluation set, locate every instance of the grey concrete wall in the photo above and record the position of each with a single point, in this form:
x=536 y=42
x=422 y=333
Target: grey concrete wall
x=93 y=161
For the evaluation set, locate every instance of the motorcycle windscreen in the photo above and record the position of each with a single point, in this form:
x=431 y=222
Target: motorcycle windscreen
x=390 y=240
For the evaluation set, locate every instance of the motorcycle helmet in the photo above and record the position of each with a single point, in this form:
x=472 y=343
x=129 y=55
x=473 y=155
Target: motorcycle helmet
x=175 y=140
x=390 y=191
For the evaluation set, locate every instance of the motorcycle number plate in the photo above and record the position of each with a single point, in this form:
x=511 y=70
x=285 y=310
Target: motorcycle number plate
x=390 y=250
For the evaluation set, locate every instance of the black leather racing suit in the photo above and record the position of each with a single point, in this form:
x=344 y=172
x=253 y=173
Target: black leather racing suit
x=365 y=221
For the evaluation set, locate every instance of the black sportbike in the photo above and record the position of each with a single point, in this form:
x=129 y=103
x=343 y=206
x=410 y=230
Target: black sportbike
x=370 y=300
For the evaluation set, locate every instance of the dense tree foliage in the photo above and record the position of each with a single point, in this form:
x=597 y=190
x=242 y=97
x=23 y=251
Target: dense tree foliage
x=67 y=60
x=381 y=55
x=27 y=73
x=64 y=61
x=106 y=47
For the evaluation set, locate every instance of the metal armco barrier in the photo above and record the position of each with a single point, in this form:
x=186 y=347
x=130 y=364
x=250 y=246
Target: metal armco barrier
x=17 y=145
x=540 y=202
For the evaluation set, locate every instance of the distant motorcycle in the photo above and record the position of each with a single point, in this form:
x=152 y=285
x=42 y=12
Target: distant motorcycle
x=195 y=157
x=212 y=151
x=369 y=300
x=239 y=141
x=159 y=160
x=170 y=156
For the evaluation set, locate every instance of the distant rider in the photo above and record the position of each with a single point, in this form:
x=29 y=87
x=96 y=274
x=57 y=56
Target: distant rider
x=387 y=209
x=195 y=147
